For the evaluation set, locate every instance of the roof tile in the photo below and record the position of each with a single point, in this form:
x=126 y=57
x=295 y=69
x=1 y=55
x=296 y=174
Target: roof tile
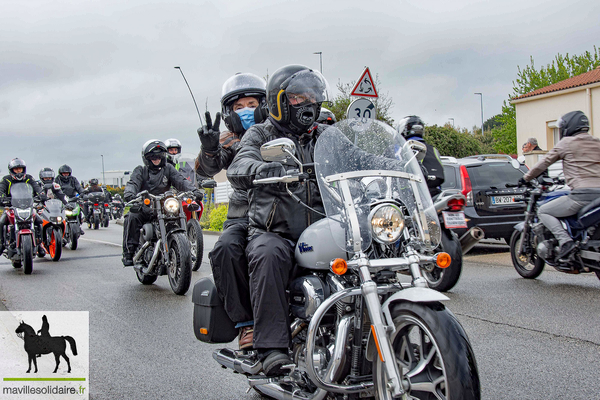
x=586 y=78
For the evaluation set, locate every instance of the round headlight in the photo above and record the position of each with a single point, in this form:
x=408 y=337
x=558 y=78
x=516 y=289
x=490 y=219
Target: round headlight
x=69 y=213
x=172 y=205
x=387 y=223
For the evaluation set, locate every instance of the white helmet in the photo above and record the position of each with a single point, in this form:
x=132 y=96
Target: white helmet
x=173 y=144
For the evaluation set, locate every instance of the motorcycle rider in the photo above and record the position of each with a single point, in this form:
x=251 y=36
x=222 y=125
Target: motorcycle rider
x=580 y=154
x=118 y=201
x=93 y=188
x=412 y=128
x=243 y=104
x=173 y=156
x=156 y=176
x=326 y=117
x=69 y=184
x=294 y=97
x=18 y=174
x=49 y=187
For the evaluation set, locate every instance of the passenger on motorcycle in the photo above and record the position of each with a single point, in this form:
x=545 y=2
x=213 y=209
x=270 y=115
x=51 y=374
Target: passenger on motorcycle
x=412 y=128
x=294 y=97
x=580 y=153
x=69 y=184
x=326 y=117
x=17 y=174
x=173 y=157
x=243 y=104
x=156 y=176
x=50 y=188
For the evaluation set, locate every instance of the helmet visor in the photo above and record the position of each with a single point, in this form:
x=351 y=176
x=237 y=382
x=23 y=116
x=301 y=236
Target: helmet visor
x=306 y=87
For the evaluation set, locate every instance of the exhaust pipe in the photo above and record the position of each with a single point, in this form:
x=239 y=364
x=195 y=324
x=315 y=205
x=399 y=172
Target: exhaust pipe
x=471 y=238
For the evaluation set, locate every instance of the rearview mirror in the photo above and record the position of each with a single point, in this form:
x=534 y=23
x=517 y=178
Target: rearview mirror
x=521 y=160
x=278 y=150
x=209 y=184
x=418 y=148
x=515 y=163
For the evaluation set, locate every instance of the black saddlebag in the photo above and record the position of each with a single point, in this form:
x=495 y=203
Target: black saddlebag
x=590 y=214
x=211 y=322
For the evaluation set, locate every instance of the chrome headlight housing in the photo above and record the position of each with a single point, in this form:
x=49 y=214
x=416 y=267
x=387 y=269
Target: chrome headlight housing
x=387 y=223
x=172 y=205
x=23 y=213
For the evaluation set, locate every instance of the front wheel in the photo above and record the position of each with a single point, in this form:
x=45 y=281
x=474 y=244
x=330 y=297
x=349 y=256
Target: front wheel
x=73 y=237
x=522 y=263
x=27 y=254
x=433 y=354
x=196 y=238
x=444 y=279
x=55 y=244
x=180 y=264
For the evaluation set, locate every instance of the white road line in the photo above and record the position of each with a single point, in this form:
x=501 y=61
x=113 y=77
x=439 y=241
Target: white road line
x=101 y=241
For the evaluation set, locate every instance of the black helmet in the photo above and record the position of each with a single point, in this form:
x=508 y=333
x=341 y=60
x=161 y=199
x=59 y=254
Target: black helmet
x=65 y=168
x=237 y=87
x=17 y=163
x=47 y=175
x=573 y=123
x=294 y=97
x=117 y=196
x=93 y=182
x=411 y=126
x=326 y=117
x=173 y=144
x=154 y=148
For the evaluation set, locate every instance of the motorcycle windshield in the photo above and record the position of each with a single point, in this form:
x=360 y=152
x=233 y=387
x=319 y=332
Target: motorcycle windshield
x=362 y=163
x=54 y=206
x=21 y=195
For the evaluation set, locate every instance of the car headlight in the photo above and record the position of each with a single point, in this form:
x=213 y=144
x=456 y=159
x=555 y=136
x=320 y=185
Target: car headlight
x=387 y=223
x=172 y=205
x=23 y=213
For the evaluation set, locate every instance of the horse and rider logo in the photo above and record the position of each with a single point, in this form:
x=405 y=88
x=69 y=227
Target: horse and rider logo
x=41 y=343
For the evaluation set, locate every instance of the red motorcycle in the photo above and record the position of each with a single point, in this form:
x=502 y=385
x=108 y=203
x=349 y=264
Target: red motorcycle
x=193 y=211
x=19 y=232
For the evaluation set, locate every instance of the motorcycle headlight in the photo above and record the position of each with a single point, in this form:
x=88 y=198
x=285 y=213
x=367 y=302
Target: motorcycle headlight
x=387 y=223
x=69 y=213
x=172 y=205
x=23 y=213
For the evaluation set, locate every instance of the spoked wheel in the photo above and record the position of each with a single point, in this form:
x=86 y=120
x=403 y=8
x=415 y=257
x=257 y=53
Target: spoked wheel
x=55 y=244
x=444 y=279
x=180 y=264
x=522 y=263
x=196 y=238
x=27 y=254
x=433 y=354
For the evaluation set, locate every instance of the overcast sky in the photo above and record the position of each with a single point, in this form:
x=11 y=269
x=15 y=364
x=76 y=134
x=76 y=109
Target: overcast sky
x=83 y=78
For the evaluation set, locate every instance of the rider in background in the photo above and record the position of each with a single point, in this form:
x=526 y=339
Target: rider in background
x=18 y=174
x=69 y=184
x=173 y=158
x=580 y=154
x=412 y=128
x=326 y=117
x=50 y=188
x=243 y=104
x=156 y=176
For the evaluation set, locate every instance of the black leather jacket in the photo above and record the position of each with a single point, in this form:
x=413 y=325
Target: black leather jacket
x=271 y=208
x=208 y=164
x=69 y=185
x=155 y=181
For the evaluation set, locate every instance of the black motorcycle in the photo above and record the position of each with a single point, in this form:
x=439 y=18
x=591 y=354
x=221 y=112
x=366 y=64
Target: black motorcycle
x=95 y=204
x=532 y=245
x=116 y=209
x=164 y=248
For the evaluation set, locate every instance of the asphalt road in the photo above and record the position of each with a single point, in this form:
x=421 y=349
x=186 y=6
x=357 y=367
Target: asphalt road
x=532 y=339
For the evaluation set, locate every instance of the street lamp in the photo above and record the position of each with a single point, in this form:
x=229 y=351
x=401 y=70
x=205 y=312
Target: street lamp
x=320 y=53
x=481 y=94
x=103 y=178
x=452 y=121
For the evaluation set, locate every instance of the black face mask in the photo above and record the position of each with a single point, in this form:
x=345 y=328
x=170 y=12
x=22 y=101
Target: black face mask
x=303 y=117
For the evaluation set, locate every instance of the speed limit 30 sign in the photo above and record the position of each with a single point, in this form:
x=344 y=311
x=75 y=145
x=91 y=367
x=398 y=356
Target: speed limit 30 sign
x=361 y=109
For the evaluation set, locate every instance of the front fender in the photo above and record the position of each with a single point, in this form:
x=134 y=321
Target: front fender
x=519 y=227
x=412 y=294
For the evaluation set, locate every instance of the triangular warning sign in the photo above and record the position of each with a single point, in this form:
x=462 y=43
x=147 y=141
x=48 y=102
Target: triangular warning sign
x=365 y=86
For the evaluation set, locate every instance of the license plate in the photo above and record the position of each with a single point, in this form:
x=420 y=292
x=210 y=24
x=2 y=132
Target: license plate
x=506 y=199
x=454 y=219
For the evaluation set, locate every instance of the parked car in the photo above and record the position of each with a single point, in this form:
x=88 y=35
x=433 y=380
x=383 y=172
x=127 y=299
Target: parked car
x=489 y=182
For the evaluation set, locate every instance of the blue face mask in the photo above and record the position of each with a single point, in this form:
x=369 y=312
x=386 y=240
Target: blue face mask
x=246 y=115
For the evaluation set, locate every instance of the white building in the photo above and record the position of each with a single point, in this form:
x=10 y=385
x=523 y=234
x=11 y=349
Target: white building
x=115 y=178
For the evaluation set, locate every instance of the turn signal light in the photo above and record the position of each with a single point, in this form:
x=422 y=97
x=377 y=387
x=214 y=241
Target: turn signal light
x=443 y=260
x=204 y=331
x=339 y=266
x=188 y=201
x=147 y=202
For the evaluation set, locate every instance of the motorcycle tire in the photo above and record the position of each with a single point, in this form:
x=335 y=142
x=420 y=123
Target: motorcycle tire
x=27 y=254
x=96 y=222
x=522 y=263
x=180 y=258
x=436 y=356
x=74 y=242
x=55 y=244
x=196 y=238
x=106 y=222
x=444 y=279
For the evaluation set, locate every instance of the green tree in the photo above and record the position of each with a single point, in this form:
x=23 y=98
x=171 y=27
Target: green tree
x=531 y=78
x=456 y=142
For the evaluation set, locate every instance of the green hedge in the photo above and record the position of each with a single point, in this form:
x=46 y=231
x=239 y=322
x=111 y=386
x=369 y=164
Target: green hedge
x=217 y=217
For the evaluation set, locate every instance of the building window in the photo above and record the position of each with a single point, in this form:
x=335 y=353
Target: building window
x=552 y=134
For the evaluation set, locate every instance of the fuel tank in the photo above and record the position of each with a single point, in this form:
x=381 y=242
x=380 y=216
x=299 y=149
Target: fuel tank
x=316 y=247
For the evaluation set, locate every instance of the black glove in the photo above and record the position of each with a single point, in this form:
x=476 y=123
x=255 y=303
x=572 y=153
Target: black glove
x=128 y=197
x=43 y=197
x=136 y=208
x=209 y=134
x=198 y=195
x=270 y=170
x=522 y=182
x=5 y=201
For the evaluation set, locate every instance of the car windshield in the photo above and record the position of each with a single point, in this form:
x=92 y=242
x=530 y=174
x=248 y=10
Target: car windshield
x=494 y=175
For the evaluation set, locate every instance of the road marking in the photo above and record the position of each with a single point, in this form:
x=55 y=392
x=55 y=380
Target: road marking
x=101 y=241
